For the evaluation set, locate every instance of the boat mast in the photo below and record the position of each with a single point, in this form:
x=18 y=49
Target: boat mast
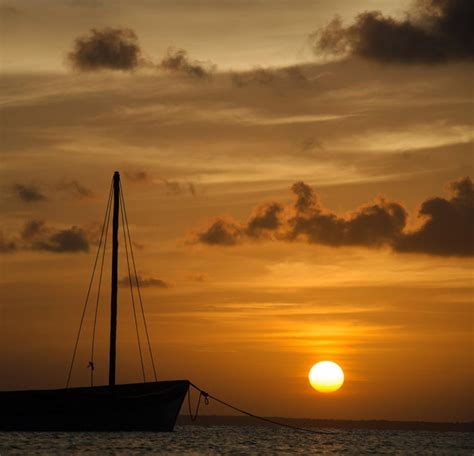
x=113 y=297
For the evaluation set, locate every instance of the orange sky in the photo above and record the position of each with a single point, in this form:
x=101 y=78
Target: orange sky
x=219 y=137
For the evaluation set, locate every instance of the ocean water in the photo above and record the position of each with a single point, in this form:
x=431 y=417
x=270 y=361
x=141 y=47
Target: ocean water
x=238 y=440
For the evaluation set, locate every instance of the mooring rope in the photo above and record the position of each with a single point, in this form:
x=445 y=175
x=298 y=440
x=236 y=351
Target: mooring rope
x=202 y=394
x=208 y=396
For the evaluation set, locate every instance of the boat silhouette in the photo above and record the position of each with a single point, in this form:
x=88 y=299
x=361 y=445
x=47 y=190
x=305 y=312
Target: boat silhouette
x=147 y=406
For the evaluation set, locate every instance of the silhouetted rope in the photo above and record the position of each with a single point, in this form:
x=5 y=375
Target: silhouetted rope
x=194 y=415
x=88 y=291
x=131 y=292
x=91 y=362
x=208 y=396
x=137 y=283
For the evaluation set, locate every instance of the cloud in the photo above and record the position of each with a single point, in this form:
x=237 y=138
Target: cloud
x=305 y=197
x=33 y=229
x=147 y=282
x=221 y=232
x=106 y=49
x=292 y=75
x=63 y=241
x=137 y=176
x=175 y=188
x=171 y=187
x=310 y=144
x=177 y=61
x=28 y=193
x=449 y=224
x=7 y=245
x=371 y=225
x=447 y=228
x=76 y=189
x=434 y=31
x=266 y=218
x=36 y=235
x=33 y=194
x=198 y=277
x=118 y=49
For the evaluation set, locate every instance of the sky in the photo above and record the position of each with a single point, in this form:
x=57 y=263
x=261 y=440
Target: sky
x=298 y=181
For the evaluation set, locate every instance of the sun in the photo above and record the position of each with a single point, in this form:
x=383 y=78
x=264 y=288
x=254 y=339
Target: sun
x=326 y=377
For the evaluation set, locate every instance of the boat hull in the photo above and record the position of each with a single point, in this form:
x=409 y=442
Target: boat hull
x=152 y=406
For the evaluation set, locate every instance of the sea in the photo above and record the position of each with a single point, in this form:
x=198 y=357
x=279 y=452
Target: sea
x=238 y=440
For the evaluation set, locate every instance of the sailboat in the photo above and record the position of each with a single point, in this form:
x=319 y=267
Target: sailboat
x=147 y=406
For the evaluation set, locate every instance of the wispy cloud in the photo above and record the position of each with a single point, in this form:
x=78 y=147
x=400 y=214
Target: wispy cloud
x=144 y=282
x=75 y=188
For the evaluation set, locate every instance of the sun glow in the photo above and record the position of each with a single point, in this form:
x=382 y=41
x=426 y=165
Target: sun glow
x=326 y=377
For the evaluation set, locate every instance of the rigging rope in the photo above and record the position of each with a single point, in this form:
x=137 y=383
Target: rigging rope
x=103 y=245
x=88 y=292
x=91 y=362
x=131 y=289
x=137 y=283
x=208 y=396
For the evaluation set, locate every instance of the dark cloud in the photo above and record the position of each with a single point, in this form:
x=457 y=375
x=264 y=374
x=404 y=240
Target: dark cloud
x=177 y=61
x=106 y=49
x=118 y=49
x=293 y=75
x=434 y=31
x=76 y=189
x=33 y=229
x=36 y=235
x=266 y=218
x=221 y=232
x=447 y=228
x=63 y=241
x=371 y=225
x=144 y=282
x=305 y=197
x=449 y=224
x=7 y=245
x=137 y=176
x=310 y=144
x=28 y=193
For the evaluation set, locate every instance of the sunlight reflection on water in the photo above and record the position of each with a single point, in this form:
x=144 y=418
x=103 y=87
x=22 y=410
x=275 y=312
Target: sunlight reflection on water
x=237 y=440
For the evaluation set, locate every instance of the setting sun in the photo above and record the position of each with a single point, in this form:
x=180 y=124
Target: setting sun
x=223 y=222
x=326 y=377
